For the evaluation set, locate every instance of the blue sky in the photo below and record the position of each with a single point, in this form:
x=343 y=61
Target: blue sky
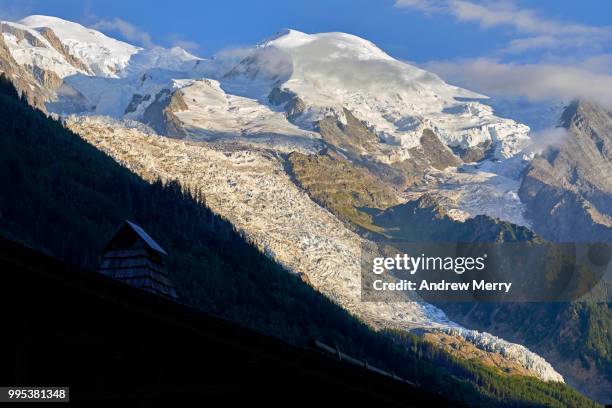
x=560 y=46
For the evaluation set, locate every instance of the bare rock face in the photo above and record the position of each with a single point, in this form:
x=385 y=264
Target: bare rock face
x=40 y=85
x=23 y=80
x=294 y=105
x=160 y=114
x=48 y=79
x=568 y=189
x=21 y=35
x=392 y=164
x=136 y=100
x=475 y=153
x=436 y=153
x=55 y=42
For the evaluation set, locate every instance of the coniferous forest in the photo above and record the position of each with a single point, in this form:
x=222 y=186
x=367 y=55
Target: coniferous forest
x=62 y=196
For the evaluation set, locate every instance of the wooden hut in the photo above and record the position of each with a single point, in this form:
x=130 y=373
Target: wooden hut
x=133 y=257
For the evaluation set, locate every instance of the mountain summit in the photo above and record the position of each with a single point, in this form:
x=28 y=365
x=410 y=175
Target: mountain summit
x=100 y=54
x=309 y=77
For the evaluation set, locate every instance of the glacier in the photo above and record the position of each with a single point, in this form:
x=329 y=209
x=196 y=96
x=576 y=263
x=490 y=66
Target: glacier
x=240 y=119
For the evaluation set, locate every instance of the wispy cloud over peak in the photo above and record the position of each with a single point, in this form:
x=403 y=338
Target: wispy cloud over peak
x=535 y=81
x=548 y=58
x=126 y=29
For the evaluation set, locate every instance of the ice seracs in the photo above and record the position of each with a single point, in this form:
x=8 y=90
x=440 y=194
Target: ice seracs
x=249 y=187
x=212 y=114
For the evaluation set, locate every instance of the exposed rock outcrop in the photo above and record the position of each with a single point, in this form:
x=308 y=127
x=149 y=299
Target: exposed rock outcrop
x=23 y=80
x=475 y=153
x=294 y=105
x=341 y=186
x=160 y=113
x=136 y=100
x=433 y=152
x=401 y=167
x=55 y=42
x=48 y=79
x=22 y=35
x=568 y=188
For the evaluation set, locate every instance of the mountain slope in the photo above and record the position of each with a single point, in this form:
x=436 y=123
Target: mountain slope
x=102 y=55
x=306 y=77
x=330 y=72
x=568 y=189
x=251 y=188
x=60 y=55
x=575 y=337
x=313 y=94
x=63 y=196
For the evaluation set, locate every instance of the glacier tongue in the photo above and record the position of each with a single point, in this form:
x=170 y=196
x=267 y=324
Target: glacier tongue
x=250 y=188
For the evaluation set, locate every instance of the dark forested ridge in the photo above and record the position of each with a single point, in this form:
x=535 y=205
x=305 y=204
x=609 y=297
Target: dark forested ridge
x=64 y=197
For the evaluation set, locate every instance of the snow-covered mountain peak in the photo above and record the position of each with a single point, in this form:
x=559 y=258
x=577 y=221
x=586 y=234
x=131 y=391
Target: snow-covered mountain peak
x=309 y=76
x=68 y=30
x=332 y=45
x=330 y=72
x=286 y=38
x=31 y=48
x=105 y=56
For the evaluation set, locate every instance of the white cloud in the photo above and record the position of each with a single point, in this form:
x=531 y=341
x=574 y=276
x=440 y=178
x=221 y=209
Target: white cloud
x=544 y=33
x=545 y=138
x=428 y=6
x=524 y=20
x=570 y=62
x=601 y=64
x=535 y=81
x=177 y=40
x=126 y=29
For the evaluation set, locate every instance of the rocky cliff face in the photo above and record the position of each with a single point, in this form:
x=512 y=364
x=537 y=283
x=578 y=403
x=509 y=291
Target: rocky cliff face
x=56 y=43
x=351 y=139
x=161 y=113
x=568 y=188
x=23 y=80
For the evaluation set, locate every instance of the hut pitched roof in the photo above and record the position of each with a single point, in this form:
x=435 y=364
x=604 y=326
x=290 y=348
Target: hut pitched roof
x=146 y=237
x=141 y=233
